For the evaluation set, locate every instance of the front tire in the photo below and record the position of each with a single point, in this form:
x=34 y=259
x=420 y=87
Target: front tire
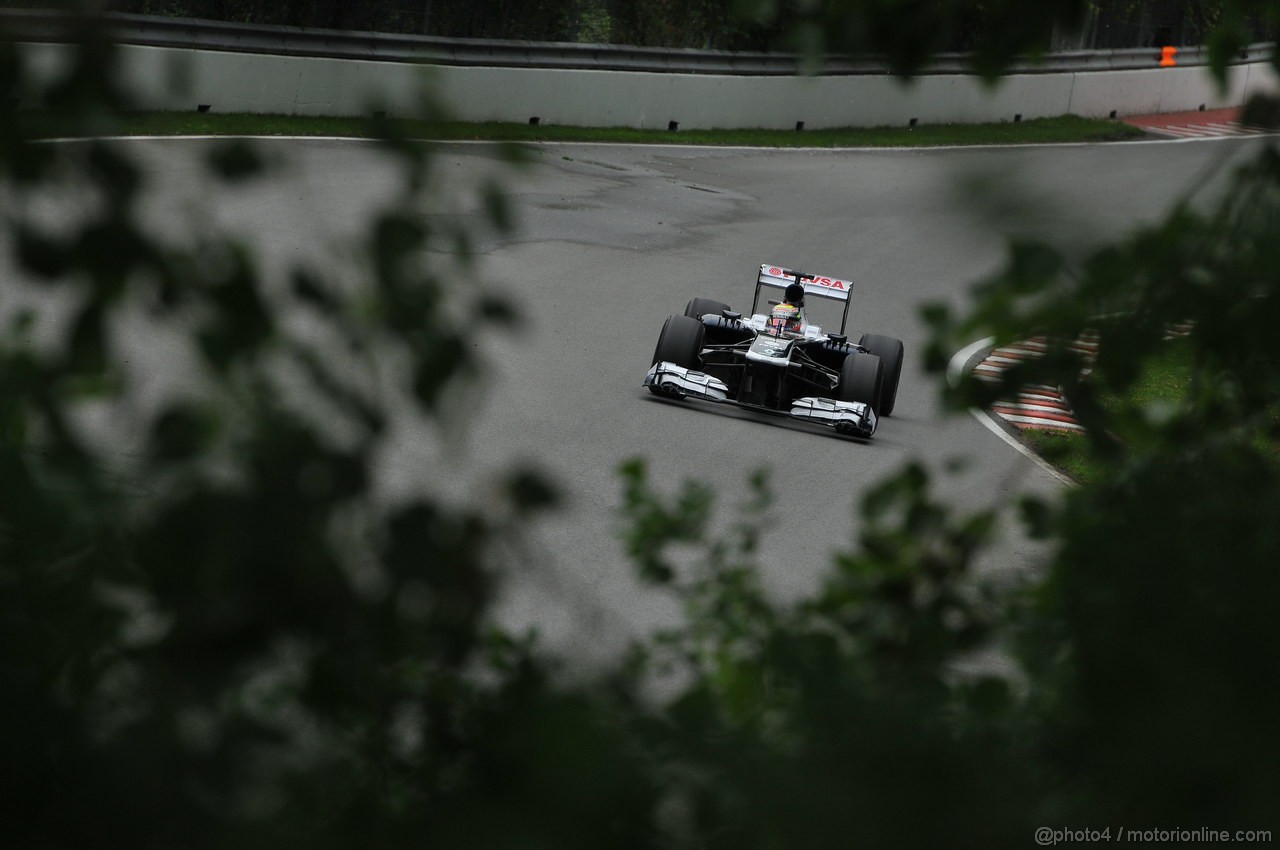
x=680 y=342
x=861 y=379
x=890 y=352
x=699 y=307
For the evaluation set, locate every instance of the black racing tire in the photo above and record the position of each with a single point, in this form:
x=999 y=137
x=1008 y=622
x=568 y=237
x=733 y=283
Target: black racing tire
x=861 y=379
x=699 y=307
x=680 y=342
x=890 y=352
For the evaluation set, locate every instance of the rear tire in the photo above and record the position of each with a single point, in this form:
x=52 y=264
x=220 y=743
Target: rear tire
x=680 y=342
x=699 y=307
x=861 y=379
x=890 y=352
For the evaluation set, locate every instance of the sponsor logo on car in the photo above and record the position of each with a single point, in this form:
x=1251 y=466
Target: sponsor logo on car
x=831 y=282
x=821 y=284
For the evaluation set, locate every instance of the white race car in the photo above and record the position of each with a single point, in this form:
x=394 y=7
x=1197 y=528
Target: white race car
x=777 y=362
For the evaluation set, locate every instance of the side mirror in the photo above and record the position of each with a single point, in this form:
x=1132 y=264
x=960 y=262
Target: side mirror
x=732 y=316
x=838 y=339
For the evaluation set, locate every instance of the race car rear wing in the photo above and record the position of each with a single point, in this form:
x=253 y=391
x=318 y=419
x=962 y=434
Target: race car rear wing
x=814 y=284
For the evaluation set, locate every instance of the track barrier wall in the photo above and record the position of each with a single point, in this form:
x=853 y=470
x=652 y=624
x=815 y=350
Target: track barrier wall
x=229 y=76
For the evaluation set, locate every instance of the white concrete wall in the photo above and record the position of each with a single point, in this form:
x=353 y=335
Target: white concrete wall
x=175 y=79
x=1157 y=90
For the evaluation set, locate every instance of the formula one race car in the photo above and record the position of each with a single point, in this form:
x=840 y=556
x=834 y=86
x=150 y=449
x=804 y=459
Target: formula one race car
x=777 y=362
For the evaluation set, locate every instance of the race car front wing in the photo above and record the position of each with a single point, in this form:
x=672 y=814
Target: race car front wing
x=668 y=379
x=846 y=417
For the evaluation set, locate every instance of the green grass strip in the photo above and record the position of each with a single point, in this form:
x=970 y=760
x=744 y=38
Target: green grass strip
x=1068 y=451
x=1164 y=381
x=1043 y=130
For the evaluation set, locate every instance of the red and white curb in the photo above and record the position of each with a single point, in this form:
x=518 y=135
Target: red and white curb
x=1211 y=124
x=1038 y=406
x=1207 y=131
x=960 y=364
x=1041 y=405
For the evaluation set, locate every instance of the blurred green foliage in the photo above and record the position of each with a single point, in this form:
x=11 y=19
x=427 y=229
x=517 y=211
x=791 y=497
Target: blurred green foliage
x=229 y=640
x=908 y=31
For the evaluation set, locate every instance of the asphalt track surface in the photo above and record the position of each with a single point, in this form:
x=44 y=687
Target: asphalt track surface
x=613 y=239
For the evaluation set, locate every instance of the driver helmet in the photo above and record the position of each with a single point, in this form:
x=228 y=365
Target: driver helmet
x=785 y=318
x=794 y=294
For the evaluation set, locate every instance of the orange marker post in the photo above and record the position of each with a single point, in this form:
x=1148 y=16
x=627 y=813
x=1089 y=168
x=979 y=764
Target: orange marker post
x=1166 y=57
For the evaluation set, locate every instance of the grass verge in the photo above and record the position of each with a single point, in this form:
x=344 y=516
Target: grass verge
x=1068 y=128
x=1165 y=381
x=1068 y=451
